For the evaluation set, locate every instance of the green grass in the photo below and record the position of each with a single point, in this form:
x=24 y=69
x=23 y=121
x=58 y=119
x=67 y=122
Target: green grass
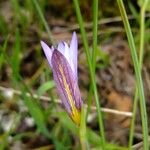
x=137 y=67
x=91 y=69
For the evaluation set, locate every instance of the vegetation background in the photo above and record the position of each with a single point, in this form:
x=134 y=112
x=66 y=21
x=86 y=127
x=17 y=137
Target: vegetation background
x=31 y=116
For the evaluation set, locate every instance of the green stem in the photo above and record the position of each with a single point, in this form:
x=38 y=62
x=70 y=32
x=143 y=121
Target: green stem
x=89 y=101
x=43 y=21
x=137 y=74
x=142 y=31
x=82 y=130
x=92 y=74
x=132 y=126
x=95 y=21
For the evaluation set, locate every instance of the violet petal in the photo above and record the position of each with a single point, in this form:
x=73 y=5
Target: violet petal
x=48 y=52
x=74 y=51
x=61 y=47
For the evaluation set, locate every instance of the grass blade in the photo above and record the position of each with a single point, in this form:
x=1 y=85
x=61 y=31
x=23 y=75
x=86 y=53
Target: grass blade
x=137 y=74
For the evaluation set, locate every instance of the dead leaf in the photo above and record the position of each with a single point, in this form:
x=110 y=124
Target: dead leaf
x=120 y=102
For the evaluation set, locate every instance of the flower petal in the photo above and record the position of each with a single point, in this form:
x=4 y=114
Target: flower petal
x=74 y=51
x=48 y=52
x=52 y=48
x=61 y=47
x=68 y=57
x=67 y=85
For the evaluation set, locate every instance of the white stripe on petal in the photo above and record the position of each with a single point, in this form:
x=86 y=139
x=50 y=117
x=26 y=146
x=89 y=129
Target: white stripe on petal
x=68 y=57
x=74 y=51
x=61 y=47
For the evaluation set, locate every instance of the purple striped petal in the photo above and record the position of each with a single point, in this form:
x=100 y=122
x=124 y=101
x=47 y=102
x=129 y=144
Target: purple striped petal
x=67 y=85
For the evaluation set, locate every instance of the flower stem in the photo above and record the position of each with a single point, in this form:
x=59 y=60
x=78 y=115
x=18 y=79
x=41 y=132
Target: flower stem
x=82 y=130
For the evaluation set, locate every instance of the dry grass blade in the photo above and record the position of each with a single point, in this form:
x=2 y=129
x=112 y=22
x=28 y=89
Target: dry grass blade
x=45 y=98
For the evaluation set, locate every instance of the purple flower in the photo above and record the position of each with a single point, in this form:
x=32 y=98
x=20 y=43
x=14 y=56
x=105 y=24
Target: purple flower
x=63 y=62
